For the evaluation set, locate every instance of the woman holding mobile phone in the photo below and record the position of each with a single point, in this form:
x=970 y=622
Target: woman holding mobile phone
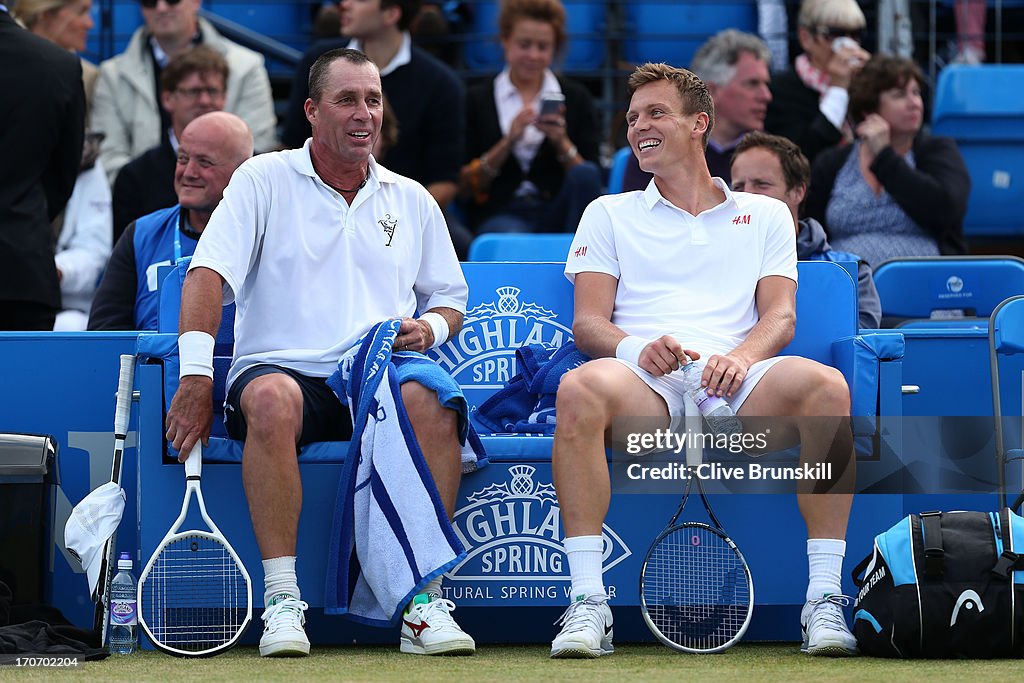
x=809 y=101
x=531 y=136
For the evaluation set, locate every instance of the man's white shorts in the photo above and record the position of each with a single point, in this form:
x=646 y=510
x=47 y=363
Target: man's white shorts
x=671 y=388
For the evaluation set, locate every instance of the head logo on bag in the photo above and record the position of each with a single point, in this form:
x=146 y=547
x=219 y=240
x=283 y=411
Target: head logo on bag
x=968 y=600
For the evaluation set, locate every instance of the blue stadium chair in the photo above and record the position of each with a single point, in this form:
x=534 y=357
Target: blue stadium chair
x=617 y=176
x=1006 y=338
x=917 y=288
x=521 y=246
x=585 y=24
x=982 y=108
x=672 y=31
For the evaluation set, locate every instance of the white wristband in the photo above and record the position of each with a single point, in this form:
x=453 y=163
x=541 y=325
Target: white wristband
x=630 y=348
x=438 y=325
x=195 y=354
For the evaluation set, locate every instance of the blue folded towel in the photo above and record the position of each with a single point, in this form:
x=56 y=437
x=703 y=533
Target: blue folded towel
x=391 y=534
x=527 y=403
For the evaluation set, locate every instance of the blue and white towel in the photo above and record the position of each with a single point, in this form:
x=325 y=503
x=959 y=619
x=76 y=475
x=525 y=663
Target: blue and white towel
x=391 y=534
x=527 y=403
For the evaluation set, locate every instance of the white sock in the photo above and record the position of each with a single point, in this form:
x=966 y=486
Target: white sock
x=584 y=553
x=279 y=577
x=434 y=586
x=825 y=562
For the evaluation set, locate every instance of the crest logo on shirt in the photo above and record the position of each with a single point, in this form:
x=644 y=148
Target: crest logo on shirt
x=388 y=224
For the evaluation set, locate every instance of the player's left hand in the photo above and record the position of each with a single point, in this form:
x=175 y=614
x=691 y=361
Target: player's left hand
x=413 y=335
x=723 y=375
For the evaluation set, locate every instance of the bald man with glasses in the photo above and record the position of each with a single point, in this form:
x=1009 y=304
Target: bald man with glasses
x=127 y=100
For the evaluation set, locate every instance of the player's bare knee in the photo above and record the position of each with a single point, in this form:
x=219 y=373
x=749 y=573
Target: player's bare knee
x=579 y=398
x=829 y=396
x=272 y=403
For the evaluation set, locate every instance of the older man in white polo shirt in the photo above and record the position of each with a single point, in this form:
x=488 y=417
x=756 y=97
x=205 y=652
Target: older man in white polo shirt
x=689 y=265
x=316 y=245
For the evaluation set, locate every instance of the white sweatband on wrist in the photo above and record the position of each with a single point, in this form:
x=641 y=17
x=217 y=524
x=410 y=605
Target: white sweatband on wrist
x=438 y=325
x=630 y=349
x=195 y=354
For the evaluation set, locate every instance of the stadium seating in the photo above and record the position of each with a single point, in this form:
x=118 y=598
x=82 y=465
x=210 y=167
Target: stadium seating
x=923 y=287
x=671 y=32
x=617 y=176
x=515 y=559
x=982 y=108
x=1006 y=340
x=520 y=246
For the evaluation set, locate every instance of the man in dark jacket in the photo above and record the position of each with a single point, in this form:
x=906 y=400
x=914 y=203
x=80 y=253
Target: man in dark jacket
x=774 y=166
x=42 y=127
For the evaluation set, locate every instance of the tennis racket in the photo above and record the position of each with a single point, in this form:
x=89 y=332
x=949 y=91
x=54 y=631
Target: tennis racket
x=696 y=591
x=122 y=413
x=195 y=597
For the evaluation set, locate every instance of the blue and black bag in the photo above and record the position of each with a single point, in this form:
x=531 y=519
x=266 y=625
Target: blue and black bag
x=943 y=585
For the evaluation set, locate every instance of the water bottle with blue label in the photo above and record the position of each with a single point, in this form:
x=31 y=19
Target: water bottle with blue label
x=124 y=615
x=715 y=409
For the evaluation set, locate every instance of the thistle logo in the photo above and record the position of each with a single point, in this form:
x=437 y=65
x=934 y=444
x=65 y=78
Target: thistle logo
x=511 y=530
x=483 y=354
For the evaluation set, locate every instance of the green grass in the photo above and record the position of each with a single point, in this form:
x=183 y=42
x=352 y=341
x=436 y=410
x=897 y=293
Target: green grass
x=748 y=662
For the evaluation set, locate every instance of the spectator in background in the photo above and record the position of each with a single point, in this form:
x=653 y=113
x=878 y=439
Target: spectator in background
x=211 y=148
x=734 y=66
x=427 y=98
x=42 y=126
x=809 y=102
x=83 y=228
x=529 y=170
x=127 y=106
x=774 y=166
x=192 y=84
x=66 y=23
x=894 y=192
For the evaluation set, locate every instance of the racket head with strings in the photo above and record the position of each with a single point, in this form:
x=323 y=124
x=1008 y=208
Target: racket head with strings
x=195 y=595
x=122 y=417
x=696 y=590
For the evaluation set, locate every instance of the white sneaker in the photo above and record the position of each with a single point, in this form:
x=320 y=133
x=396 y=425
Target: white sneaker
x=283 y=632
x=824 y=627
x=586 y=629
x=428 y=628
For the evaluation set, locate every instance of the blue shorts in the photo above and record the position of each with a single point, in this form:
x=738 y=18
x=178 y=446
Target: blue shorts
x=324 y=417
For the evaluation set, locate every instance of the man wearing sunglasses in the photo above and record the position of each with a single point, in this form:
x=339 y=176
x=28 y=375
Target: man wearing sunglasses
x=809 y=101
x=127 y=103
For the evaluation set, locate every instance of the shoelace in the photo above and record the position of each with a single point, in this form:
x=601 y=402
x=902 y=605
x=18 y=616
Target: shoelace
x=292 y=612
x=833 y=611
x=577 y=618
x=437 y=614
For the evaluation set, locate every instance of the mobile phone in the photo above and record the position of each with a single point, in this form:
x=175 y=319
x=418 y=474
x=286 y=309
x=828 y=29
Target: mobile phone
x=843 y=42
x=551 y=103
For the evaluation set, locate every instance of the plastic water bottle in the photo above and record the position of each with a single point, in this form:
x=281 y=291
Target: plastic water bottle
x=124 y=616
x=715 y=409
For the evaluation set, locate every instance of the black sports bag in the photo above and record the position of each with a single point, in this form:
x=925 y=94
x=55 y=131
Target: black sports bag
x=942 y=585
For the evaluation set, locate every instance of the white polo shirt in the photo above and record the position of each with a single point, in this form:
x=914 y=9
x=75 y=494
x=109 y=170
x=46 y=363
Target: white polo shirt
x=692 y=277
x=310 y=274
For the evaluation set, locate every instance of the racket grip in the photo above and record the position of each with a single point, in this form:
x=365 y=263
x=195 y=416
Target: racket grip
x=194 y=464
x=125 y=384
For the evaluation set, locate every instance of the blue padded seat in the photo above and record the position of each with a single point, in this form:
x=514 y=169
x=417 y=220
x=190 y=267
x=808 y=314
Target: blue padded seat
x=982 y=108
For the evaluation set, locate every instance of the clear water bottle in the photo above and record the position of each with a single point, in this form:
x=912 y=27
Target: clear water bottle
x=124 y=616
x=715 y=409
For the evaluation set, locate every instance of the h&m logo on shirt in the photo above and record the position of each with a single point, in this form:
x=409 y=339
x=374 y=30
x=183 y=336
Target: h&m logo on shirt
x=389 y=224
x=741 y=220
x=581 y=251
